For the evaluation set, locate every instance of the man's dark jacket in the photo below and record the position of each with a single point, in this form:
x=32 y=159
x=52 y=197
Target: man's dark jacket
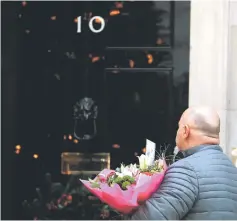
x=202 y=186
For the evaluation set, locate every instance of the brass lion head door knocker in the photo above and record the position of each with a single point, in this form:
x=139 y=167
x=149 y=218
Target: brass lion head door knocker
x=85 y=113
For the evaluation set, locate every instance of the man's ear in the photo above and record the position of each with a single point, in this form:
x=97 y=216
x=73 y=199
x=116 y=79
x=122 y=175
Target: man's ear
x=186 y=131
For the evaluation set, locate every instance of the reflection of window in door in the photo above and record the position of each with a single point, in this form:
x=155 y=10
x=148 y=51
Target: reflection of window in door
x=141 y=24
x=143 y=101
x=139 y=107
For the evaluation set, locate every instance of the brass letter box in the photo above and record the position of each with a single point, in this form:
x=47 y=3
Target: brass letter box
x=81 y=163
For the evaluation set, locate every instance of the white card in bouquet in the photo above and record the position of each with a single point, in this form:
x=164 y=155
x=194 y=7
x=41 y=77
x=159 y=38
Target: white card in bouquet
x=150 y=152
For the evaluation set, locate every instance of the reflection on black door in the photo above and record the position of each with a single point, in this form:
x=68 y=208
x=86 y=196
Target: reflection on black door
x=136 y=71
x=138 y=108
x=143 y=87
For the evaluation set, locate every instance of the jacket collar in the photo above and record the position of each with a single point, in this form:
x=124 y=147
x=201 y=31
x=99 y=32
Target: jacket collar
x=196 y=149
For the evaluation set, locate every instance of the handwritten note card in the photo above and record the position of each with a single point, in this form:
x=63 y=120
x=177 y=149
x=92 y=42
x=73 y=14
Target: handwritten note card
x=150 y=152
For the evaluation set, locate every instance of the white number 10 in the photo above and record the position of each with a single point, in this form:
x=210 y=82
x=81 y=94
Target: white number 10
x=100 y=19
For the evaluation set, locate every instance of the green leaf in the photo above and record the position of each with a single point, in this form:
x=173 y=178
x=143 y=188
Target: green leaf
x=95 y=185
x=105 y=207
x=91 y=181
x=60 y=206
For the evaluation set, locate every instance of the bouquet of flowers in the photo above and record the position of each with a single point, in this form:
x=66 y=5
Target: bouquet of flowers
x=124 y=188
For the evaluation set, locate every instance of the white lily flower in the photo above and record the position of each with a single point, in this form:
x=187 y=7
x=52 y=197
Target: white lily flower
x=133 y=168
x=143 y=162
x=119 y=174
x=122 y=168
x=125 y=171
x=161 y=163
x=130 y=170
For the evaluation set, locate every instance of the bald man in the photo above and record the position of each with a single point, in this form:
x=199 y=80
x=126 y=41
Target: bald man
x=203 y=185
